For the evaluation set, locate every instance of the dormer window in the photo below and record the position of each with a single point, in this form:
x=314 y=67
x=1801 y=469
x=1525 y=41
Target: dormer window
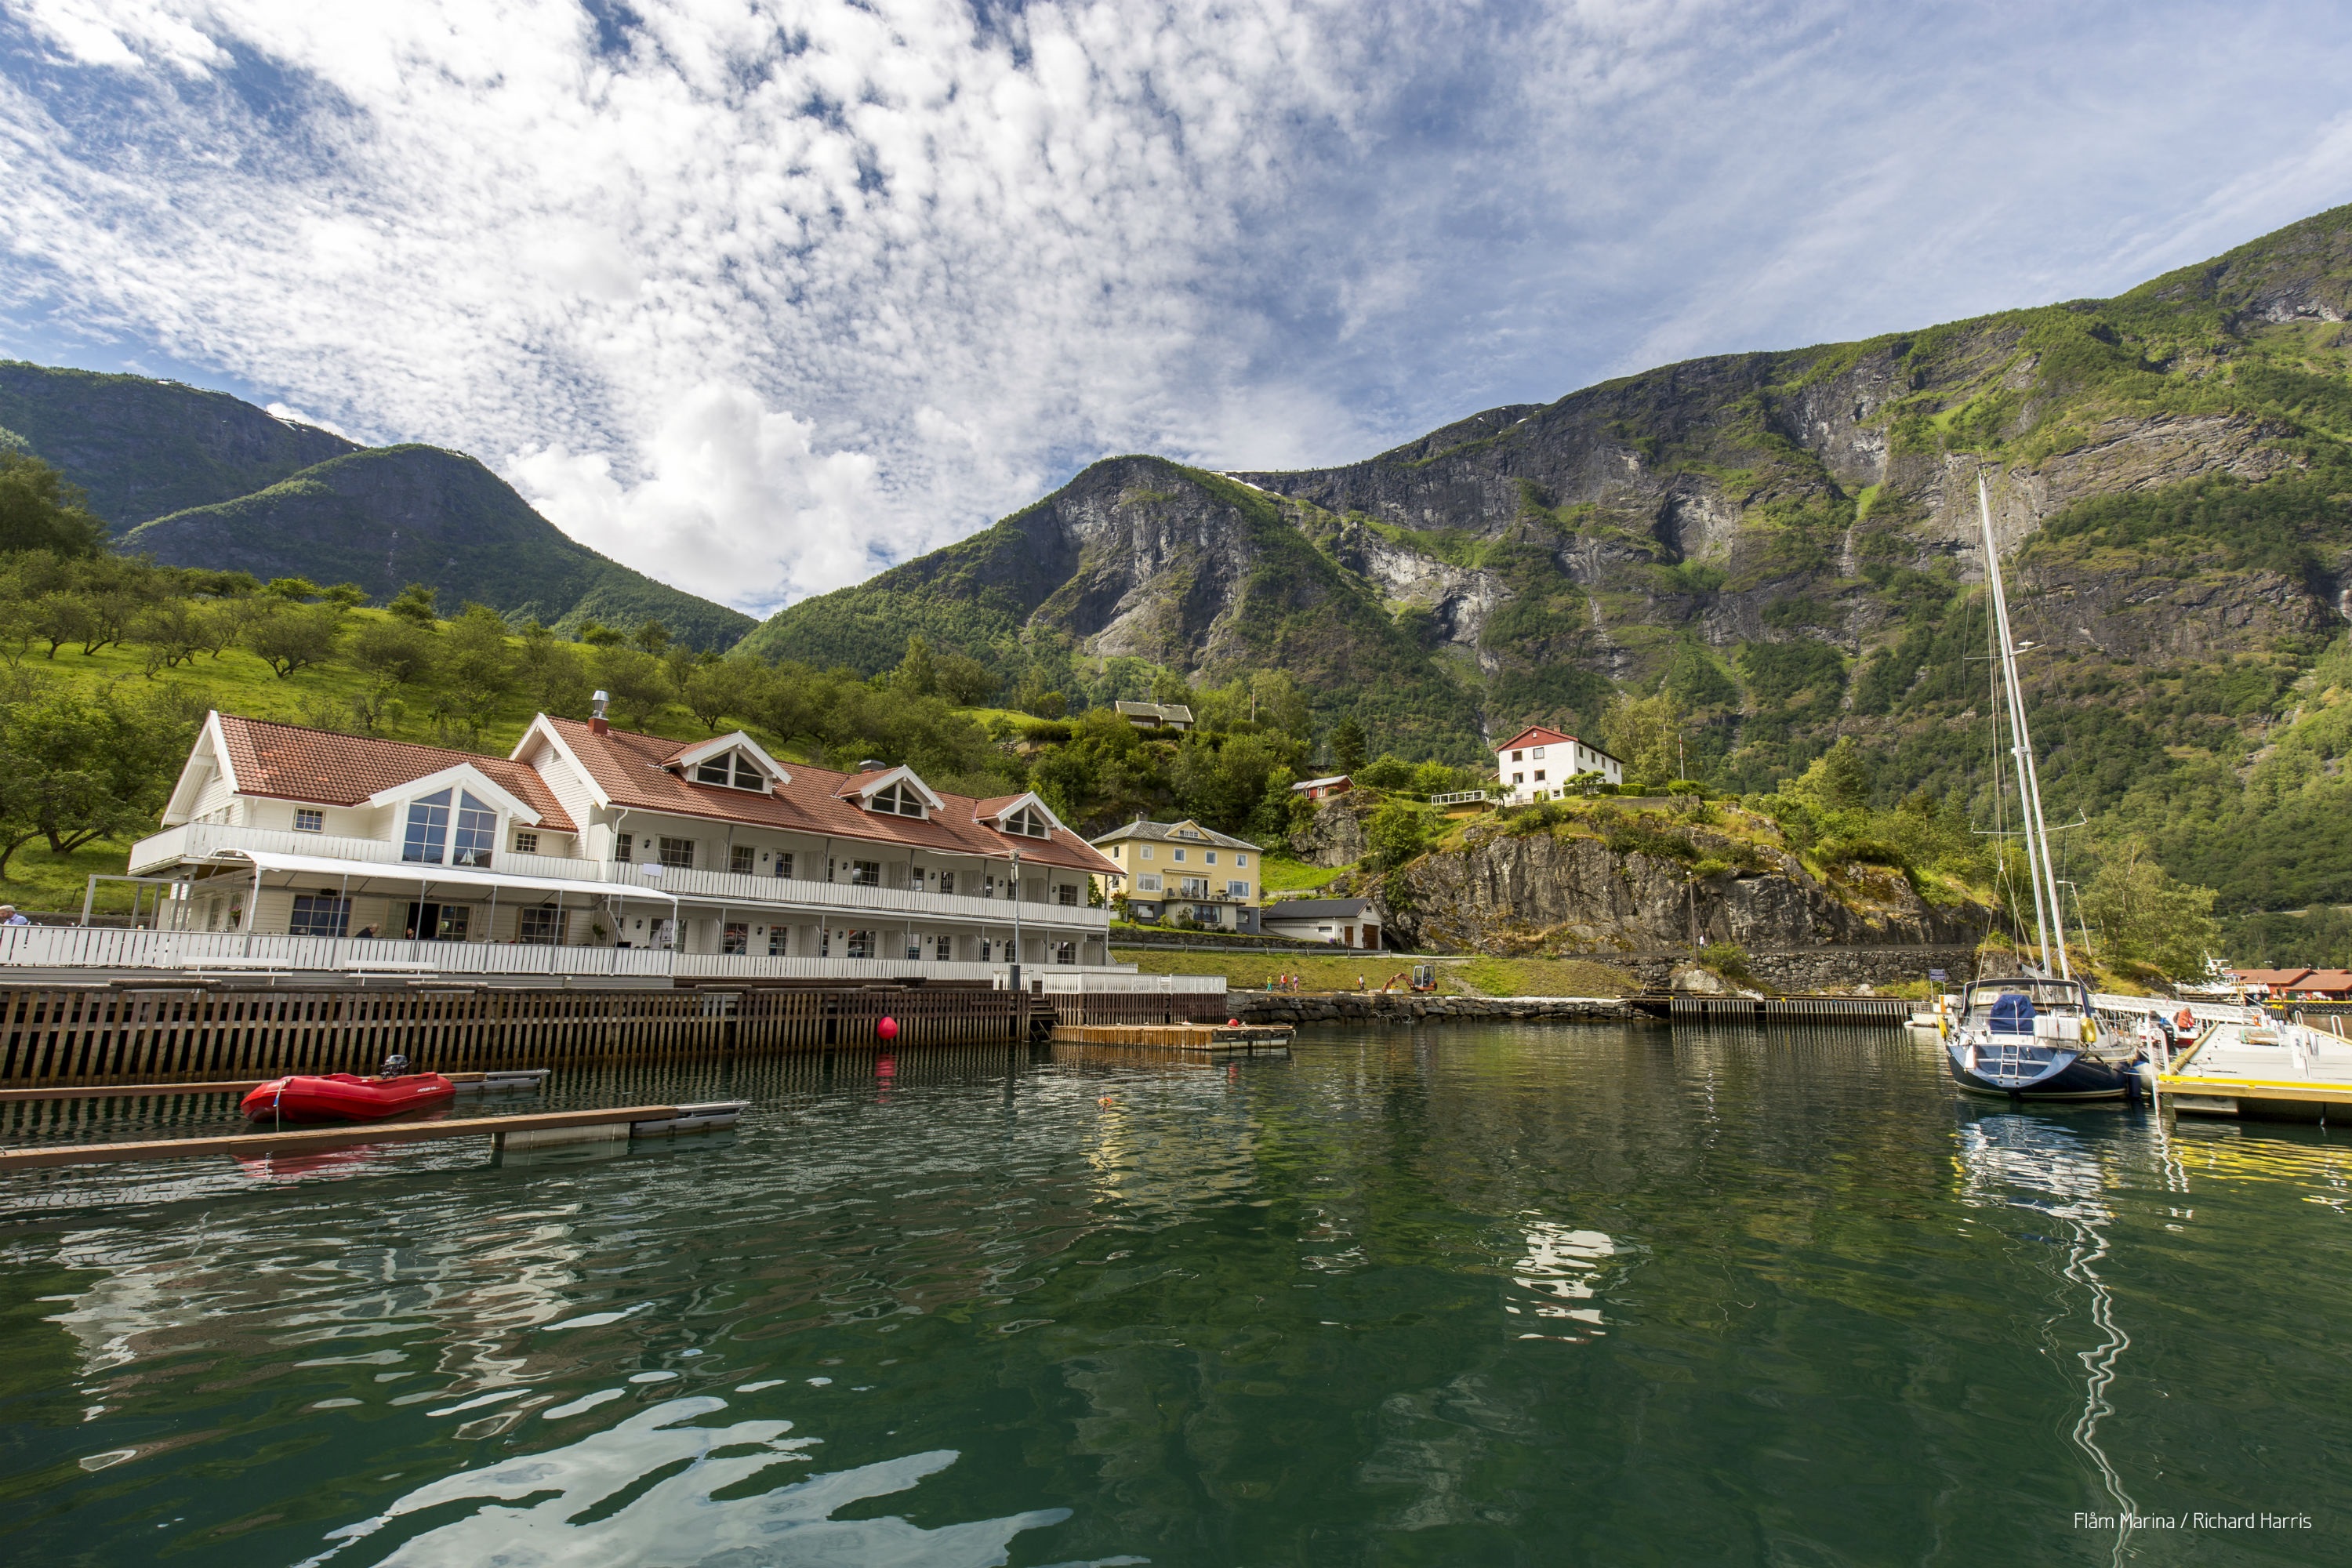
x=896 y=800
x=1028 y=824
x=733 y=770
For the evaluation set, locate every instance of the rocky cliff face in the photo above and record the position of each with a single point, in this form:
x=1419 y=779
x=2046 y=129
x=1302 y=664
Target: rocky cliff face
x=1551 y=892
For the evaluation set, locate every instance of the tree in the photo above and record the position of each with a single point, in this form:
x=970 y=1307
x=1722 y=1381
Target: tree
x=596 y=635
x=40 y=511
x=477 y=667
x=917 y=675
x=1348 y=745
x=2147 y=917
x=706 y=684
x=59 y=617
x=634 y=679
x=1398 y=833
x=966 y=682
x=346 y=596
x=1647 y=734
x=413 y=605
x=74 y=769
x=1168 y=687
x=294 y=588
x=552 y=672
x=394 y=653
x=294 y=638
x=653 y=637
x=172 y=631
x=1276 y=703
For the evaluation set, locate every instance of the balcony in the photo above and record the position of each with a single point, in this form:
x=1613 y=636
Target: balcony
x=723 y=890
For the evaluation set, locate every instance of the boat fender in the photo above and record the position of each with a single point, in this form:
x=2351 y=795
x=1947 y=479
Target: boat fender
x=2090 y=1030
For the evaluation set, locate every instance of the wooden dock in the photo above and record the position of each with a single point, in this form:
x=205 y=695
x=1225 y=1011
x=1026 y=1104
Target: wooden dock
x=2266 y=1071
x=615 y=1122
x=1218 y=1038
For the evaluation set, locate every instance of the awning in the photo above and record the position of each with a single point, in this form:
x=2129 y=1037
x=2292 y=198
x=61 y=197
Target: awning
x=440 y=875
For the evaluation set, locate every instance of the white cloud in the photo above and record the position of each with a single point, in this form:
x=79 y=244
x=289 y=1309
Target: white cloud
x=756 y=295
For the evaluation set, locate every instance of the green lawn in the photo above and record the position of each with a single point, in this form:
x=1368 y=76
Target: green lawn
x=1546 y=977
x=1247 y=971
x=1284 y=874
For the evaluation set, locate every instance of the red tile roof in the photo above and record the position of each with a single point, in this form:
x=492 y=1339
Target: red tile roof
x=1537 y=735
x=627 y=769
x=2328 y=982
x=2269 y=976
x=286 y=762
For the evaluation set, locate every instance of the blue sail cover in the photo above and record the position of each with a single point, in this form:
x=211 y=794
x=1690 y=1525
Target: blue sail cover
x=2013 y=1013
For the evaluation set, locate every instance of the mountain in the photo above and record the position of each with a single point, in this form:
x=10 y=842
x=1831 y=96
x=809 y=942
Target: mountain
x=202 y=479
x=141 y=448
x=1788 y=542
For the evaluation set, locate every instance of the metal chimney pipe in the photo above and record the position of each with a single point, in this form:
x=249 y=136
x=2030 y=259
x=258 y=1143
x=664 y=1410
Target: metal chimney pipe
x=596 y=721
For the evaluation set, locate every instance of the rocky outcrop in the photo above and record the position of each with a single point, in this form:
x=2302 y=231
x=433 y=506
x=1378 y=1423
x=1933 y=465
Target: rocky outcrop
x=1559 y=891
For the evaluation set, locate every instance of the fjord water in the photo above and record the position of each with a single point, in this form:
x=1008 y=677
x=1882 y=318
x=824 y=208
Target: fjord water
x=1531 y=1295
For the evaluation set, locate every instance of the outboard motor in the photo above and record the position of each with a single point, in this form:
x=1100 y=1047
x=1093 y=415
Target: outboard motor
x=394 y=1066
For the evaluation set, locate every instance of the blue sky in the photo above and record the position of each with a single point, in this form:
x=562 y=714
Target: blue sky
x=762 y=295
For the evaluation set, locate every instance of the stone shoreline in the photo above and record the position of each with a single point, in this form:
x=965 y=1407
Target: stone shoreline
x=1389 y=1008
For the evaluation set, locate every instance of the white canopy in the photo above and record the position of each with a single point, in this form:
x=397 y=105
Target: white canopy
x=438 y=875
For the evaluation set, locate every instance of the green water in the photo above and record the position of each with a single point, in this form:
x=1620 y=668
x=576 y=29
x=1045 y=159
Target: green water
x=1543 y=1295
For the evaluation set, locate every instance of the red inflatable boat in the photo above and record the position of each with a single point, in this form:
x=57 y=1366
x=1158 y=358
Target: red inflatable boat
x=343 y=1097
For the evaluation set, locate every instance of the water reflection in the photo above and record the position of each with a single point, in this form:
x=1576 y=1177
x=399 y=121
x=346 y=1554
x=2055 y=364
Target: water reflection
x=1561 y=1266
x=648 y=1491
x=2059 y=1173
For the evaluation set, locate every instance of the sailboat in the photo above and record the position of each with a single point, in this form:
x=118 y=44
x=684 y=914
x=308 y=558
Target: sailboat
x=2035 y=1036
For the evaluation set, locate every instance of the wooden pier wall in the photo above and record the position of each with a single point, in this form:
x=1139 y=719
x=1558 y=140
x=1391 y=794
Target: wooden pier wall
x=107 y=1035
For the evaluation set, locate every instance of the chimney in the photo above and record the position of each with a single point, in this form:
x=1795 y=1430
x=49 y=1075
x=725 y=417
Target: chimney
x=596 y=724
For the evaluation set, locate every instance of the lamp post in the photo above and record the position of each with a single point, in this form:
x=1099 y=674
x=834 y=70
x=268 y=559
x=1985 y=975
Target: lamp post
x=1016 y=920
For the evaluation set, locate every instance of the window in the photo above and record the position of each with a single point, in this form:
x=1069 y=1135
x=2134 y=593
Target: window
x=777 y=941
x=320 y=914
x=947 y=881
x=1027 y=822
x=866 y=873
x=1540 y=775
x=1188 y=833
x=784 y=864
x=308 y=821
x=824 y=942
x=915 y=879
x=477 y=833
x=1066 y=952
x=539 y=925
x=1196 y=888
x=1242 y=860
x=914 y=947
x=1211 y=857
x=428 y=829
x=526 y=843
x=1237 y=890
x=678 y=852
x=1179 y=854
x=1144 y=852
x=735 y=937
x=1539 y=751
x=733 y=769
x=741 y=859
x=861 y=945
x=428 y=922
x=1066 y=895
x=1147 y=884
x=899 y=799
x=623 y=845
x=1518 y=778
x=1518 y=757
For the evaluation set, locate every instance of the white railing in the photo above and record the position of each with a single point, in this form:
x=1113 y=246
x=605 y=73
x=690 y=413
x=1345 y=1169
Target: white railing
x=1093 y=982
x=714 y=966
x=92 y=947
x=200 y=840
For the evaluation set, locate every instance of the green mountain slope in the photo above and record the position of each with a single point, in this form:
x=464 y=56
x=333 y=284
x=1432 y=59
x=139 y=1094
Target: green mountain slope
x=384 y=517
x=141 y=448
x=1788 y=542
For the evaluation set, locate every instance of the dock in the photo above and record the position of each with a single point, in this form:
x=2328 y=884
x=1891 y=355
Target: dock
x=614 y=1123
x=1684 y=1008
x=1217 y=1038
x=2263 y=1071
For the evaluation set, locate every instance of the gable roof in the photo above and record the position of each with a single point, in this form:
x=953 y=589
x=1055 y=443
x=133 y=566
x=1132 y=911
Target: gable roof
x=625 y=770
x=1539 y=735
x=286 y=762
x=1314 y=909
x=1167 y=832
x=1165 y=712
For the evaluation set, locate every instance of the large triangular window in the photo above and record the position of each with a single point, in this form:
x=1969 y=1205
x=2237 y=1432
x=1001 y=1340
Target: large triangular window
x=900 y=799
x=1028 y=822
x=732 y=769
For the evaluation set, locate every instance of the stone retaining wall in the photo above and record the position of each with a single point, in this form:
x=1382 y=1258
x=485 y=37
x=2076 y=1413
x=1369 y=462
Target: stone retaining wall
x=1402 y=1008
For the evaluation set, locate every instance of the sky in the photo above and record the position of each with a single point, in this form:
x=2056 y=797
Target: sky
x=762 y=296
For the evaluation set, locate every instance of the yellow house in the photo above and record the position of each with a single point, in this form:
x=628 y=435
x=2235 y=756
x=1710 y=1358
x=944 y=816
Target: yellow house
x=1172 y=870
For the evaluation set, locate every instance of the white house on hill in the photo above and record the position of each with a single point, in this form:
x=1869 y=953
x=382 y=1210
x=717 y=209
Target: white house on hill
x=1538 y=763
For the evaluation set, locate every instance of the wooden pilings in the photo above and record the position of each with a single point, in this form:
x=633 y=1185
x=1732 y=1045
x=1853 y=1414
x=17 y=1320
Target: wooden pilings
x=59 y=1035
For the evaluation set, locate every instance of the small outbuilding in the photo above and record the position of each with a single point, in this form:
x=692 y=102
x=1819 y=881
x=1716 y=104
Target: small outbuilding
x=1342 y=922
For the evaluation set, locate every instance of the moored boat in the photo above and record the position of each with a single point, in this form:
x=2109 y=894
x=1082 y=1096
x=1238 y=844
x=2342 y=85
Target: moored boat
x=346 y=1096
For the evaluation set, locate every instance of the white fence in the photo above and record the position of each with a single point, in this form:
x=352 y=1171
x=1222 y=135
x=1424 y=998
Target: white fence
x=93 y=947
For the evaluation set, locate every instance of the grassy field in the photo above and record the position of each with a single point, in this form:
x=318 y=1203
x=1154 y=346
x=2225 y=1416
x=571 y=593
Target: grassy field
x=1246 y=972
x=1283 y=874
x=1543 y=977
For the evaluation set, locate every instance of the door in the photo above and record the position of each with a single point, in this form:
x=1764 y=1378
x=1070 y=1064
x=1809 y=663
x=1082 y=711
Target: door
x=428 y=922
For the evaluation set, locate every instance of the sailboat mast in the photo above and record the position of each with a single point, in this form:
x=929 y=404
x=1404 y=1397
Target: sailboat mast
x=2038 y=867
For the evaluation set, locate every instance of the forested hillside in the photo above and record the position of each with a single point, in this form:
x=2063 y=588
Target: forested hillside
x=1784 y=546
x=199 y=478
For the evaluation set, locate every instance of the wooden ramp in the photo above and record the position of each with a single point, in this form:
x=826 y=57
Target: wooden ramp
x=1216 y=1037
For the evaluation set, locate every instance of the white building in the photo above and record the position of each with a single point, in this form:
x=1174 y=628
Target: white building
x=590 y=850
x=1538 y=763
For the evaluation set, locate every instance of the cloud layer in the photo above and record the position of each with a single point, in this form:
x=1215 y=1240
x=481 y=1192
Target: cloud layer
x=760 y=295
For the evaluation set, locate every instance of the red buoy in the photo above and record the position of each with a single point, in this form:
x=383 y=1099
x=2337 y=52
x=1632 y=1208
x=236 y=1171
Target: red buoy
x=888 y=1028
x=1233 y=1023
